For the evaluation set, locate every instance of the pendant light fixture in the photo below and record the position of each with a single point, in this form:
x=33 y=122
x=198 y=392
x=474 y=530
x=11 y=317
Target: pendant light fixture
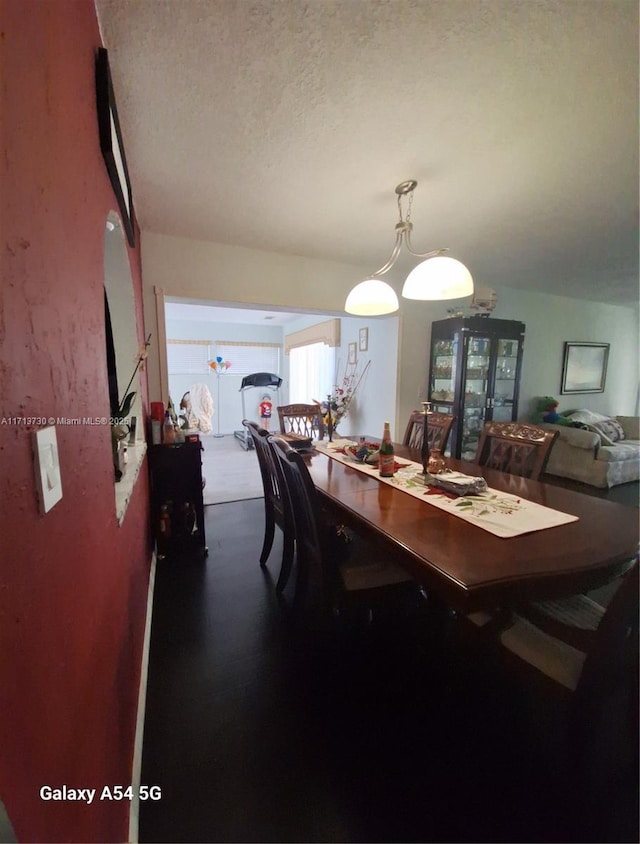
x=437 y=277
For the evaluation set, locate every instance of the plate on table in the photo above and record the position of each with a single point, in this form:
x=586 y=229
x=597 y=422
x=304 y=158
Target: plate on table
x=366 y=452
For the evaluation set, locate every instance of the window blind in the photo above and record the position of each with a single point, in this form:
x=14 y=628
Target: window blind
x=247 y=358
x=188 y=356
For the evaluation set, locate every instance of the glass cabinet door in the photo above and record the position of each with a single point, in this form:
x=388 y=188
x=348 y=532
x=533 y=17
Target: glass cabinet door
x=474 y=370
x=504 y=392
x=476 y=375
x=443 y=370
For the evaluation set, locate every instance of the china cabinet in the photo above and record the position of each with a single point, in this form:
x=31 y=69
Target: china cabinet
x=474 y=373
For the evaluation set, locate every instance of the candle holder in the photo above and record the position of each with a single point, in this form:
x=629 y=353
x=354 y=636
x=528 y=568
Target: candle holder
x=426 y=410
x=329 y=419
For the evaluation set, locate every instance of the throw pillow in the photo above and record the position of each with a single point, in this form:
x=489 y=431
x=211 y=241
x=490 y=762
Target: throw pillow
x=619 y=429
x=608 y=429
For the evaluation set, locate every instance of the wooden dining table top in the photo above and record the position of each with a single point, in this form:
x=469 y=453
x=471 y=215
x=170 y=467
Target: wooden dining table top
x=468 y=567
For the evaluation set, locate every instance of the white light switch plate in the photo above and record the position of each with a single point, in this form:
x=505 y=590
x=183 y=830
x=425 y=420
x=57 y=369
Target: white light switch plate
x=47 y=468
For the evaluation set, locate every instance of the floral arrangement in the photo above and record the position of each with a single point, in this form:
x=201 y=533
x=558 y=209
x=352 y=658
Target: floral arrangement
x=340 y=398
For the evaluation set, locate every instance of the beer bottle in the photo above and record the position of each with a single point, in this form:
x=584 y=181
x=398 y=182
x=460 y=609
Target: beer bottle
x=386 y=462
x=168 y=431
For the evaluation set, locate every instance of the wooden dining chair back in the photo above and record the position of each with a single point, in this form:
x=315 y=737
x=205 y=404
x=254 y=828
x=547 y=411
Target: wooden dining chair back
x=302 y=419
x=330 y=563
x=515 y=447
x=439 y=428
x=276 y=509
x=593 y=670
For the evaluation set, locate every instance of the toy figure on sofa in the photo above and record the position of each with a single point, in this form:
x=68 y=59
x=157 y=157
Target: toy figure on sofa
x=547 y=413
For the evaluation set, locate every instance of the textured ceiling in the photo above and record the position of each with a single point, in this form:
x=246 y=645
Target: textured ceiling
x=285 y=125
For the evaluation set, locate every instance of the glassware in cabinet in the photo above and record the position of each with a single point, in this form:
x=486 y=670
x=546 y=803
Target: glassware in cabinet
x=474 y=367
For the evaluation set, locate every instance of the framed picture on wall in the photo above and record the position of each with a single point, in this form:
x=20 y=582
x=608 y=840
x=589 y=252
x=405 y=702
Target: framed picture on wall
x=584 y=369
x=363 y=338
x=353 y=353
x=111 y=143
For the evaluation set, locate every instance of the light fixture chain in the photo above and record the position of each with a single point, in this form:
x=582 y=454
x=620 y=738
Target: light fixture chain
x=400 y=197
x=409 y=208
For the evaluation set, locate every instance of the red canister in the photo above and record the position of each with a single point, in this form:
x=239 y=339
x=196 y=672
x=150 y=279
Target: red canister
x=157 y=411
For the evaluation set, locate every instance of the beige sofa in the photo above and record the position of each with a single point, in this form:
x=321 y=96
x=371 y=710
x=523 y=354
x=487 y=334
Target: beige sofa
x=592 y=456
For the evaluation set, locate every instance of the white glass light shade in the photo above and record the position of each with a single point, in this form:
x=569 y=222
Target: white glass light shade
x=438 y=278
x=372 y=297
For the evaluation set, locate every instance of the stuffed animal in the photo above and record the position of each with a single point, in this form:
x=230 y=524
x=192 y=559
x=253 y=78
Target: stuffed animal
x=547 y=412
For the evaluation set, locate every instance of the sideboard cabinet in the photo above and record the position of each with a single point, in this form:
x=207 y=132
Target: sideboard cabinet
x=177 y=511
x=474 y=373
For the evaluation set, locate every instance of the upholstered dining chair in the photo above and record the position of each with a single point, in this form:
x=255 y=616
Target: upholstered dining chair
x=303 y=419
x=587 y=667
x=275 y=510
x=515 y=447
x=335 y=574
x=438 y=430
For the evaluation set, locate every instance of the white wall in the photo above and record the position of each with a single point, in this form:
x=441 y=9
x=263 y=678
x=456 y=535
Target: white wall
x=229 y=274
x=549 y=321
x=375 y=397
x=233 y=275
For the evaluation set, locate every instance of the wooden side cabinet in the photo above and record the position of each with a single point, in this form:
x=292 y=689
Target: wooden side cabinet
x=177 y=510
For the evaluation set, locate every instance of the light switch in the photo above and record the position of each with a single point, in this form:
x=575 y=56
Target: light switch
x=47 y=468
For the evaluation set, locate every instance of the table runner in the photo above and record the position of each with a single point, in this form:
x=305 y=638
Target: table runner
x=498 y=512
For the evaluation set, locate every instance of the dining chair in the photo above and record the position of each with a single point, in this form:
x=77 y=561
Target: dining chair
x=515 y=447
x=587 y=659
x=275 y=511
x=336 y=571
x=439 y=428
x=302 y=419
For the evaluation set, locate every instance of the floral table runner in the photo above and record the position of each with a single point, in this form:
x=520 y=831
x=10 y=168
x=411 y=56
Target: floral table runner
x=498 y=512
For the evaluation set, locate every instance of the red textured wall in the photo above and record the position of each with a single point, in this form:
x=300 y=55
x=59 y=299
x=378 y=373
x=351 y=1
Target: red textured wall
x=73 y=584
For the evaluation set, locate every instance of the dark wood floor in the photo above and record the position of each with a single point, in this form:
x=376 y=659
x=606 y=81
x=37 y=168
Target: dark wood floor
x=254 y=734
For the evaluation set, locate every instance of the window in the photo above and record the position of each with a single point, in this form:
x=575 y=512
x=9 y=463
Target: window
x=312 y=361
x=247 y=358
x=188 y=356
x=311 y=372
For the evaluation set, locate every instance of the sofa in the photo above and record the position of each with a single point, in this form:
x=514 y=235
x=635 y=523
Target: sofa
x=604 y=452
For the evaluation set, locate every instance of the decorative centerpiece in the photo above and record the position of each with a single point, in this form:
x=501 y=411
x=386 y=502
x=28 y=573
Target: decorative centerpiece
x=338 y=402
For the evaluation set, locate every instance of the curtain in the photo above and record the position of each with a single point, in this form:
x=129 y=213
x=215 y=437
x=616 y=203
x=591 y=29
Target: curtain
x=311 y=372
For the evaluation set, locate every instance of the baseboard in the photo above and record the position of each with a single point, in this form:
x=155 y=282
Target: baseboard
x=136 y=769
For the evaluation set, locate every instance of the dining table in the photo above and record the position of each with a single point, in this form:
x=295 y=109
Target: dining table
x=588 y=542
